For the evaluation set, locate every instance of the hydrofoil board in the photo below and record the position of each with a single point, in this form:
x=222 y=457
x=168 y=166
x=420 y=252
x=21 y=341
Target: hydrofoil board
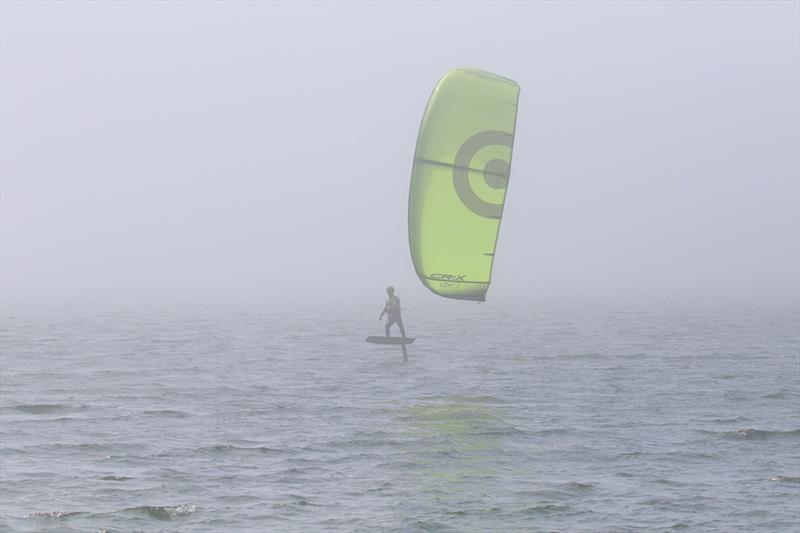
x=390 y=340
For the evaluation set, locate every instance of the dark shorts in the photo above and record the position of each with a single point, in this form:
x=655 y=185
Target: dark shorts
x=394 y=320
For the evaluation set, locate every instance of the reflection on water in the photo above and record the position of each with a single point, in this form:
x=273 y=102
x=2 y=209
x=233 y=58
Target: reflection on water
x=452 y=454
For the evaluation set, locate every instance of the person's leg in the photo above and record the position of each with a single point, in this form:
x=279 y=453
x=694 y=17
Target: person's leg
x=402 y=329
x=389 y=322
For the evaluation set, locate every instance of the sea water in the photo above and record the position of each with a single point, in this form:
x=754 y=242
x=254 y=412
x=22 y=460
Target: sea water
x=627 y=418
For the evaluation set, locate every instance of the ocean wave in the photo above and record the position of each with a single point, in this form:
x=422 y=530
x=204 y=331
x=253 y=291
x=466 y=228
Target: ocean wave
x=552 y=431
x=756 y=434
x=44 y=408
x=729 y=420
x=295 y=471
x=687 y=455
x=75 y=446
x=488 y=511
x=160 y=512
x=167 y=413
x=360 y=443
x=546 y=508
x=81 y=447
x=502 y=431
x=232 y=448
x=296 y=500
x=56 y=515
x=362 y=438
x=481 y=399
x=164 y=512
x=787 y=479
x=5 y=450
x=668 y=482
x=626 y=455
x=578 y=486
x=383 y=487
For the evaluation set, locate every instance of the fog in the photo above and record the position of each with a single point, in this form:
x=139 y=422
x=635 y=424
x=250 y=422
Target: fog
x=261 y=152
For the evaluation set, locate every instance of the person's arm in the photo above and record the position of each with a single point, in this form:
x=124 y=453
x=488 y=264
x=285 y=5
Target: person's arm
x=382 y=313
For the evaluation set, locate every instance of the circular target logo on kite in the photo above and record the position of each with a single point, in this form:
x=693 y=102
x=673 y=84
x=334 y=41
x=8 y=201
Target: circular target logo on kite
x=495 y=171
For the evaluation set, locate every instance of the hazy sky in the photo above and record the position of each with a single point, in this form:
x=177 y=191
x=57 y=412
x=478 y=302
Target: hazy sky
x=262 y=150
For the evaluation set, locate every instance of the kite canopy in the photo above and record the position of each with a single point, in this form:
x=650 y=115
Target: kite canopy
x=459 y=180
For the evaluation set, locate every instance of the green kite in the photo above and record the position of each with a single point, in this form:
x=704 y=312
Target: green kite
x=459 y=181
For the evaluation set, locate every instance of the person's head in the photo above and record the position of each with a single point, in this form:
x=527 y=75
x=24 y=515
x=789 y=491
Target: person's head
x=390 y=291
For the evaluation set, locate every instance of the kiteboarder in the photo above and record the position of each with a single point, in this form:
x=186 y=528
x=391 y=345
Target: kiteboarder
x=392 y=310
